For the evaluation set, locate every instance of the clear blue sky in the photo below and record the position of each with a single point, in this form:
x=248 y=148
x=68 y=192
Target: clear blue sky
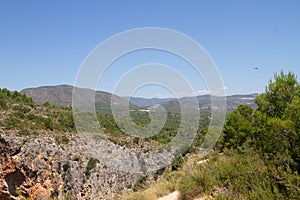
x=45 y=42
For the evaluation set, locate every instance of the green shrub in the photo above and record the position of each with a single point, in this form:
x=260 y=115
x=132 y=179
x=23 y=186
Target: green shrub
x=48 y=123
x=2 y=103
x=11 y=123
x=23 y=131
x=196 y=180
x=247 y=175
x=141 y=183
x=65 y=139
x=65 y=167
x=177 y=163
x=31 y=117
x=47 y=104
x=19 y=114
x=91 y=165
x=162 y=137
x=21 y=109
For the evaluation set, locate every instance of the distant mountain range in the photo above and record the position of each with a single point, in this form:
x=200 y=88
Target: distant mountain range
x=61 y=95
x=172 y=104
x=147 y=102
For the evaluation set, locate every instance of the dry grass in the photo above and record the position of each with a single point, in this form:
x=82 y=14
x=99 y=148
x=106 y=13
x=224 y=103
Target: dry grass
x=158 y=189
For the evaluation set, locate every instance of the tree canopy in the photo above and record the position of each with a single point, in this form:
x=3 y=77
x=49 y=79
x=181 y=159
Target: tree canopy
x=272 y=130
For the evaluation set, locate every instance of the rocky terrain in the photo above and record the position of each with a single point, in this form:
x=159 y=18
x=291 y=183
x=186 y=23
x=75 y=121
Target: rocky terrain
x=39 y=168
x=43 y=157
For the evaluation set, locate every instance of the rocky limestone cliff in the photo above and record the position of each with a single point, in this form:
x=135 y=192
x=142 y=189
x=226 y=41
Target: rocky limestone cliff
x=41 y=168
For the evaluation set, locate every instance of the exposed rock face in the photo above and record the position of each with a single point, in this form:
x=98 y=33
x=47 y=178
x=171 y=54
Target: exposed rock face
x=39 y=168
x=14 y=180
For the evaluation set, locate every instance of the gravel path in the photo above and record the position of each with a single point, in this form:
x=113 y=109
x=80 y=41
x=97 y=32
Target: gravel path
x=172 y=196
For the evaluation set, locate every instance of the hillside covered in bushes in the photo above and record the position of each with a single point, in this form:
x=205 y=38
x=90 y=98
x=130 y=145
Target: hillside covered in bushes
x=256 y=157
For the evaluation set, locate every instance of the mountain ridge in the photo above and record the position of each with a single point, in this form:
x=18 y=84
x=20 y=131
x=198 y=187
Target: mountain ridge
x=61 y=95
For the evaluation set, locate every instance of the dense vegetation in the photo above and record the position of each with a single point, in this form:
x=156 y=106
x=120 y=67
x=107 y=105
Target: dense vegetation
x=257 y=156
x=271 y=131
x=164 y=136
x=20 y=114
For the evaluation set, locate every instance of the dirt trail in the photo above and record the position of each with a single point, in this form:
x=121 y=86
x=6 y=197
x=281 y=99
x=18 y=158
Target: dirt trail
x=175 y=196
x=172 y=196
